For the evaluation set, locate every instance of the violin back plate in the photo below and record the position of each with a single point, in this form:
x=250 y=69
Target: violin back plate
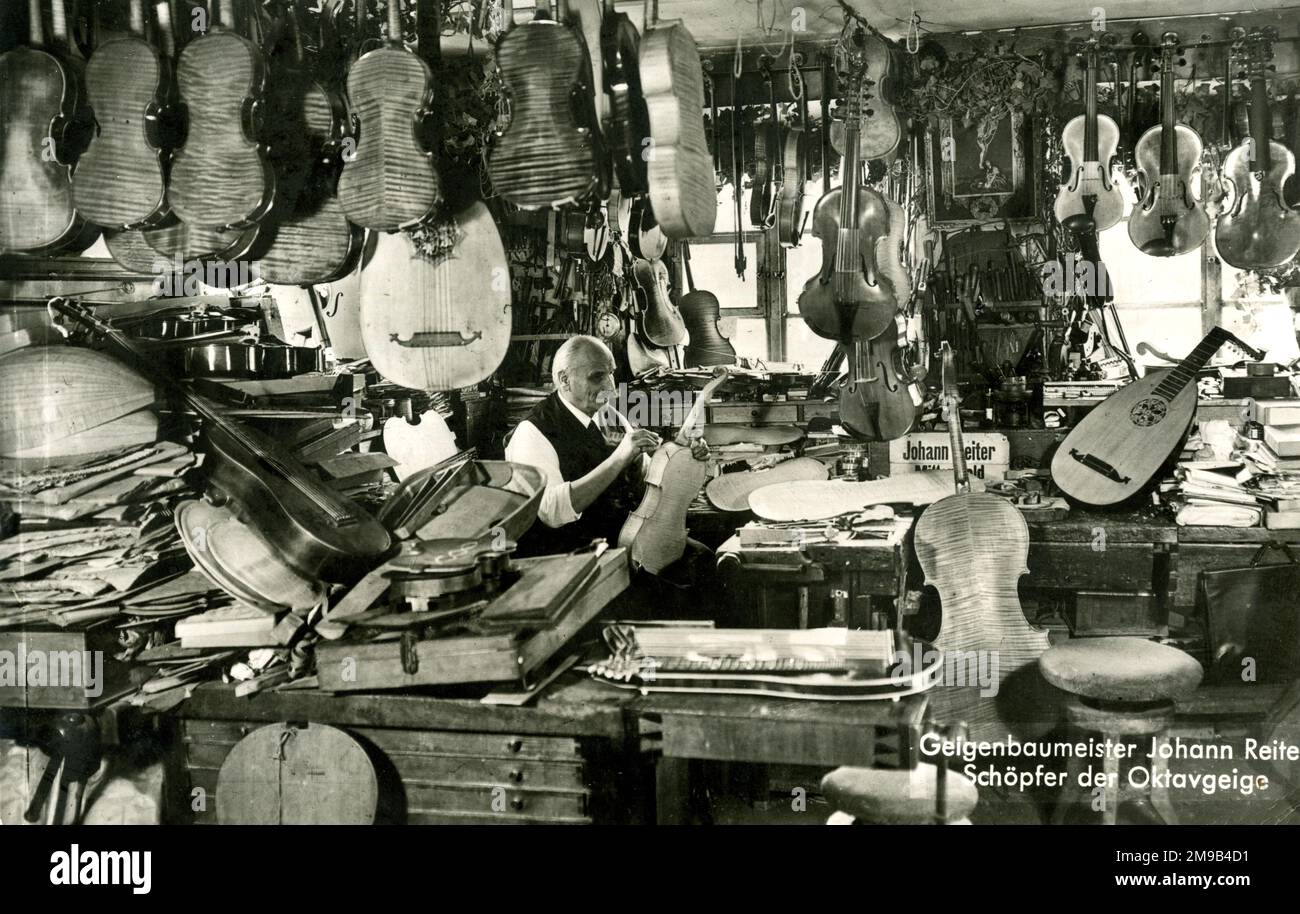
x=655 y=533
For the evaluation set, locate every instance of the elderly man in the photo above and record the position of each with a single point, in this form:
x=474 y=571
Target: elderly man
x=591 y=483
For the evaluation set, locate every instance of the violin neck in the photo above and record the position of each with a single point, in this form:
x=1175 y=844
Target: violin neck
x=1168 y=122
x=1090 y=153
x=1260 y=123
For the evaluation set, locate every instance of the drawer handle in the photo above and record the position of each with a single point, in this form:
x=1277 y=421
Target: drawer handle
x=515 y=745
x=517 y=804
x=516 y=775
x=753 y=413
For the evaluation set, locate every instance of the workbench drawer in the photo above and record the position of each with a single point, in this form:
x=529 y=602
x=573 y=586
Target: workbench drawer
x=464 y=769
x=1126 y=567
x=476 y=745
x=493 y=799
x=754 y=413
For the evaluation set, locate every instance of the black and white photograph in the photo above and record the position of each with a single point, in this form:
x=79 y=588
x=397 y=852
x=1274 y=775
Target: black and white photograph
x=650 y=412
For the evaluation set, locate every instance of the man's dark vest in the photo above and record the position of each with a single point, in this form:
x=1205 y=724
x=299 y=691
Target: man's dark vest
x=580 y=450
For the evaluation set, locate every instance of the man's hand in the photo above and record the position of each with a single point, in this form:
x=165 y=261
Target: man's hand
x=635 y=443
x=700 y=449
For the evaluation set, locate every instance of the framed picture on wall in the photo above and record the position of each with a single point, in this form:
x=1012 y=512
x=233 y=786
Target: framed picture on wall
x=981 y=172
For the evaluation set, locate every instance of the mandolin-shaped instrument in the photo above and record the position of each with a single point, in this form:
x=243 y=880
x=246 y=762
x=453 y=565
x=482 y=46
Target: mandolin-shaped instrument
x=1257 y=227
x=38 y=107
x=550 y=153
x=221 y=177
x=435 y=306
x=655 y=533
x=308 y=238
x=848 y=298
x=1090 y=200
x=1120 y=447
x=389 y=181
x=317 y=532
x=973 y=548
x=1168 y=219
x=680 y=171
x=120 y=182
x=700 y=310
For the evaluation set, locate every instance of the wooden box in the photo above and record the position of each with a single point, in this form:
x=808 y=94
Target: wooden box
x=61 y=668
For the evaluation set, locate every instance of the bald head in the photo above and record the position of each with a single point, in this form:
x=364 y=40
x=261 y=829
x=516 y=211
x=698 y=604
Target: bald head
x=583 y=370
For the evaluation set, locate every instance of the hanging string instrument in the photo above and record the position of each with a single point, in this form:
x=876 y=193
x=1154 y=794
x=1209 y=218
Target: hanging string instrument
x=655 y=533
x=389 y=181
x=661 y=322
x=767 y=144
x=1090 y=200
x=881 y=130
x=973 y=548
x=38 y=98
x=700 y=309
x=794 y=163
x=1168 y=220
x=550 y=153
x=120 y=181
x=630 y=121
x=221 y=177
x=1120 y=447
x=316 y=531
x=311 y=239
x=1257 y=227
x=848 y=298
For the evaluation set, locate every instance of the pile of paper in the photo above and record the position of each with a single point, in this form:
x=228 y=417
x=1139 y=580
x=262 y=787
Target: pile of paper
x=1214 y=493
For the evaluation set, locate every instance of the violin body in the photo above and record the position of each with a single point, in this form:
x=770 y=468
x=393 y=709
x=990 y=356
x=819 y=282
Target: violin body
x=120 y=182
x=879 y=406
x=1257 y=228
x=655 y=532
x=1090 y=178
x=391 y=181
x=621 y=52
x=174 y=238
x=681 y=177
x=762 y=199
x=646 y=239
x=661 y=322
x=789 y=204
x=707 y=346
x=550 y=154
x=1168 y=219
x=849 y=297
x=221 y=177
x=38 y=98
x=437 y=322
x=881 y=130
x=311 y=238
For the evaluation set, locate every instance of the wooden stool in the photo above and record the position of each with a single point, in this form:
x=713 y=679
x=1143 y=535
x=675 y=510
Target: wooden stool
x=897 y=796
x=1121 y=688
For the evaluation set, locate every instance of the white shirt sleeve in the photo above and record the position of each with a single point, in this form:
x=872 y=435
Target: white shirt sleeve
x=529 y=446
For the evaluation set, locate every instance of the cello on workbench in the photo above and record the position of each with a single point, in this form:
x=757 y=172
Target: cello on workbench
x=849 y=298
x=973 y=548
x=1168 y=219
x=655 y=533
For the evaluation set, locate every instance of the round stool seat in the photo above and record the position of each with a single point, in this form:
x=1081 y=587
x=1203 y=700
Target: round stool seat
x=1120 y=669
x=885 y=796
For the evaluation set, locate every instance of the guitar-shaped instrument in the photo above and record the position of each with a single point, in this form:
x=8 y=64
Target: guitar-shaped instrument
x=310 y=237
x=316 y=531
x=440 y=319
x=1090 y=200
x=707 y=346
x=1257 y=227
x=38 y=102
x=389 y=181
x=849 y=298
x=629 y=133
x=550 y=154
x=1120 y=447
x=973 y=548
x=1168 y=219
x=221 y=177
x=655 y=533
x=680 y=172
x=120 y=181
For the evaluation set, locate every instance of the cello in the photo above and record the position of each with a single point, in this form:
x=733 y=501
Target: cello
x=39 y=101
x=848 y=298
x=1168 y=220
x=1257 y=227
x=655 y=533
x=973 y=548
x=1090 y=200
